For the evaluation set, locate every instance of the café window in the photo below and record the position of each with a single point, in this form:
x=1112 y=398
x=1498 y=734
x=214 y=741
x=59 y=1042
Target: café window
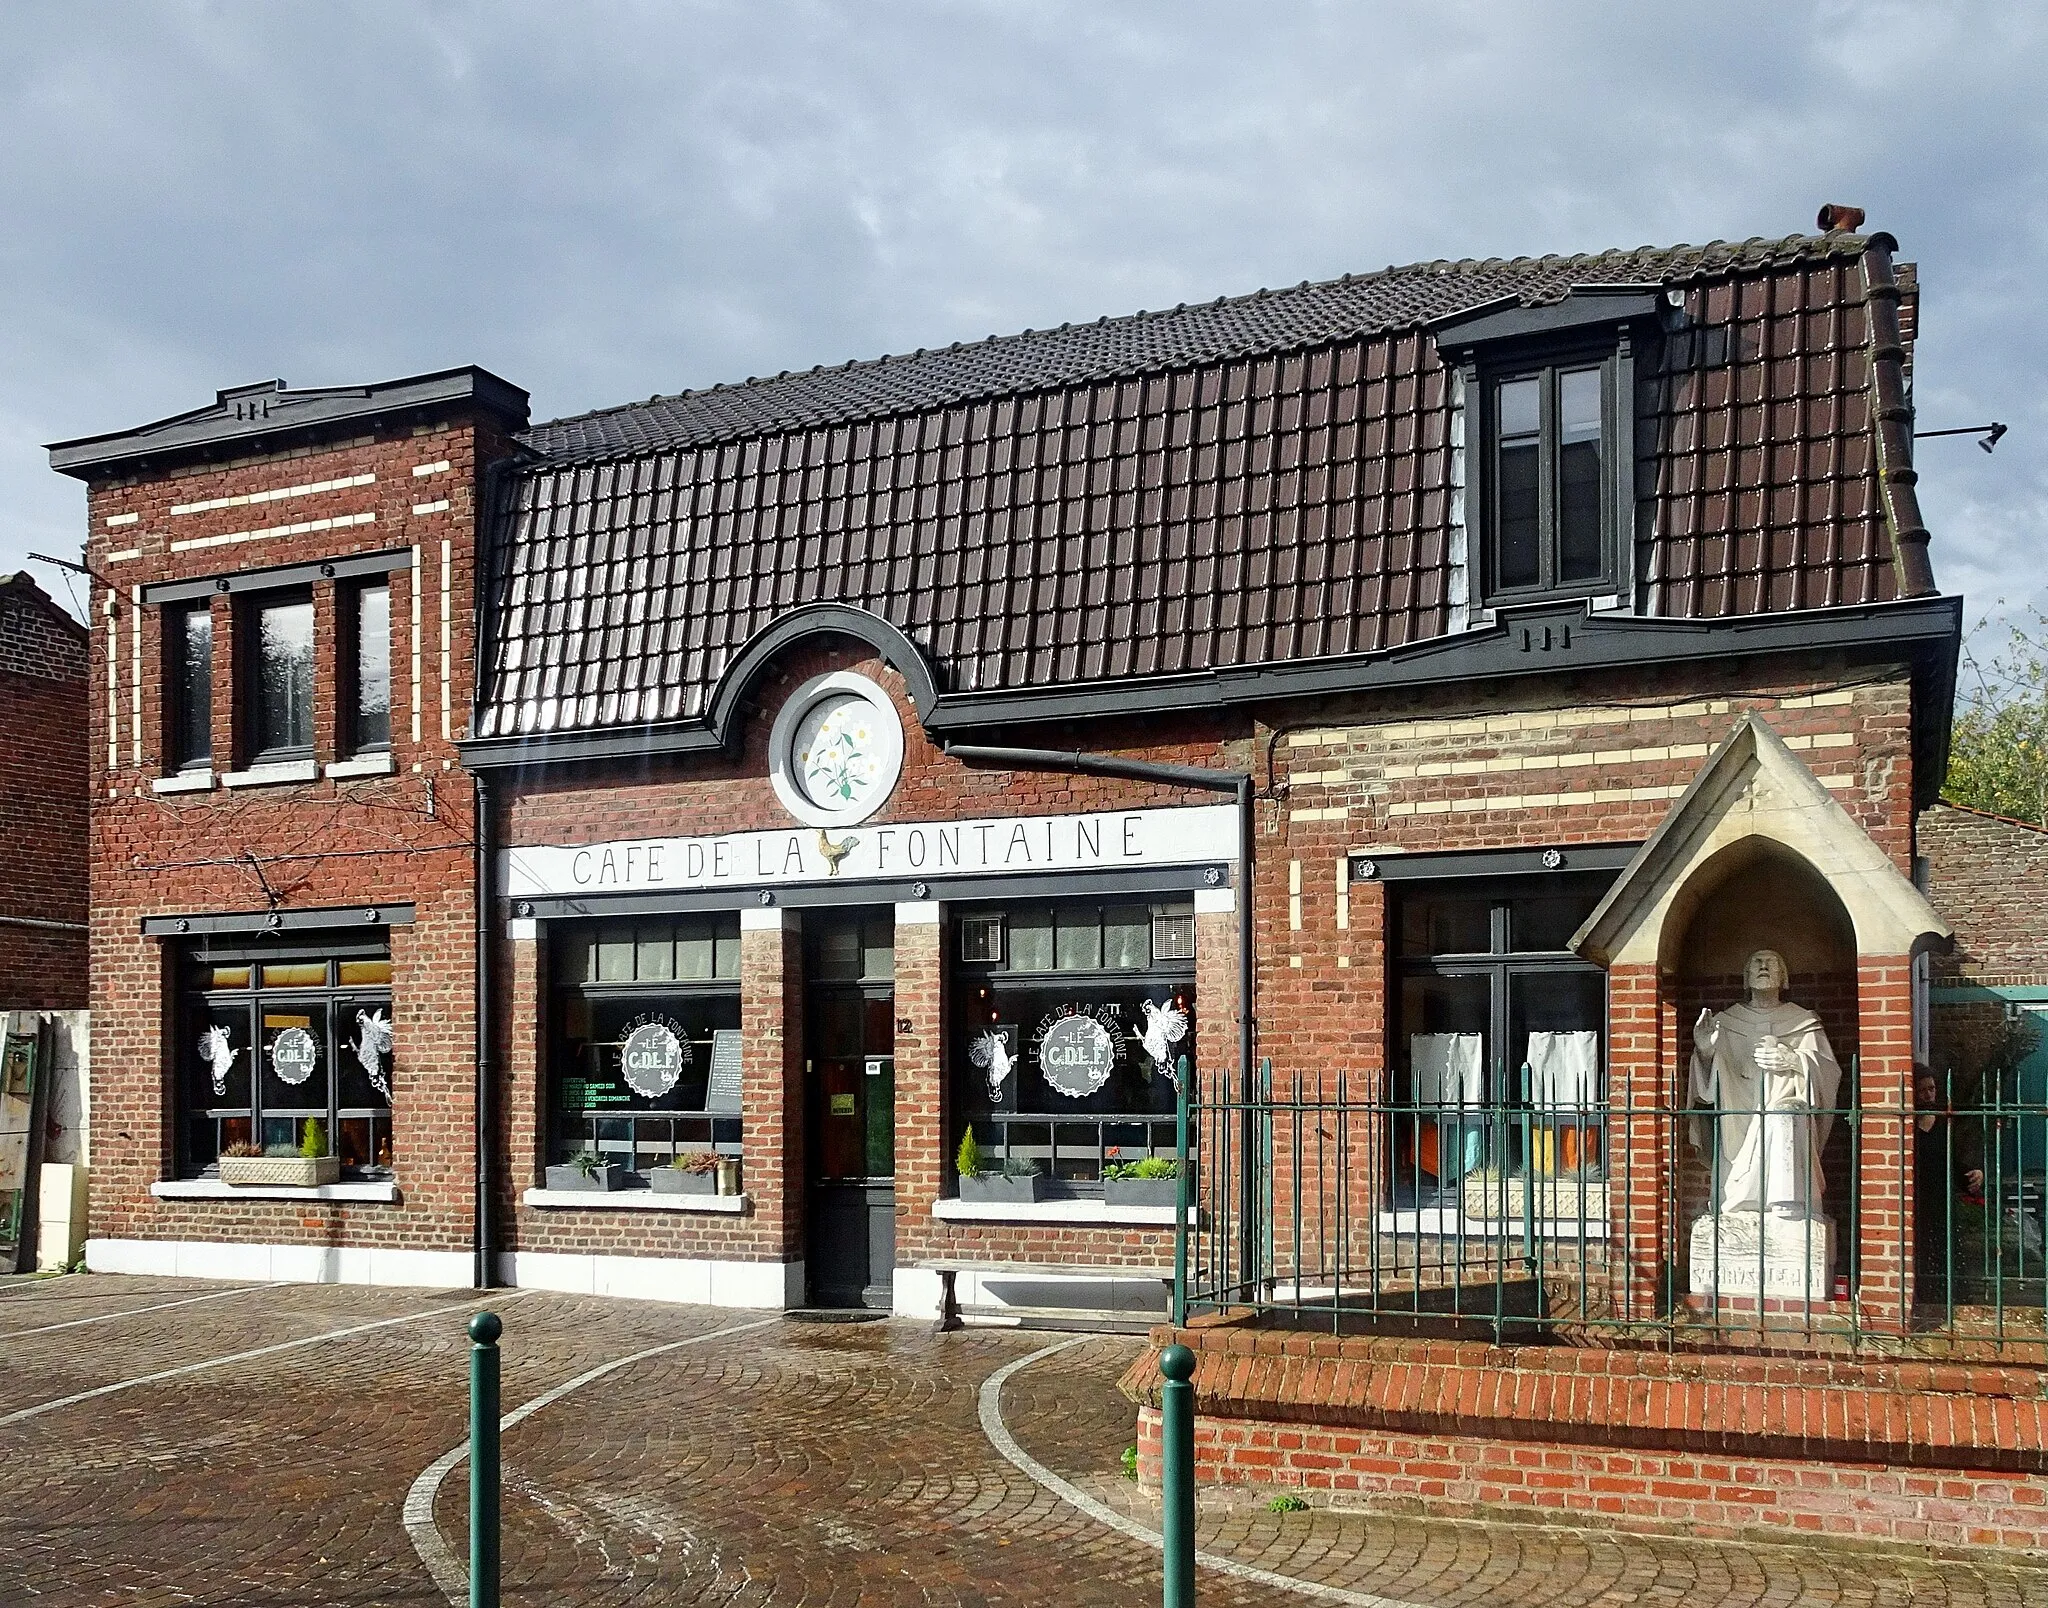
x=188 y=655
x=367 y=665
x=1500 y=1040
x=645 y=1062
x=271 y=1041
x=278 y=678
x=1069 y=1020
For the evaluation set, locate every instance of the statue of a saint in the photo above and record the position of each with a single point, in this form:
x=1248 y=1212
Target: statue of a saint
x=1766 y=1068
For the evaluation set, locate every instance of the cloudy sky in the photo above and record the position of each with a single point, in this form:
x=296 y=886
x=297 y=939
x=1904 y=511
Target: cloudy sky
x=603 y=201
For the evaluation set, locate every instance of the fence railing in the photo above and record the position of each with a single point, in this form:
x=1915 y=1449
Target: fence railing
x=1326 y=1203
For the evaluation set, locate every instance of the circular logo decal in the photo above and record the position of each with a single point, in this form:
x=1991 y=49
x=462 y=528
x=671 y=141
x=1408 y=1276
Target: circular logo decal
x=294 y=1054
x=1076 y=1055
x=653 y=1059
x=836 y=750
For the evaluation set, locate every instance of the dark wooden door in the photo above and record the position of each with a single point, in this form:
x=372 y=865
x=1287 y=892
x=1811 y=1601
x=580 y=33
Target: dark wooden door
x=850 y=1100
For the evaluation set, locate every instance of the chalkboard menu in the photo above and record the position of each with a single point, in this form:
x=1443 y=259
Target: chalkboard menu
x=722 y=1092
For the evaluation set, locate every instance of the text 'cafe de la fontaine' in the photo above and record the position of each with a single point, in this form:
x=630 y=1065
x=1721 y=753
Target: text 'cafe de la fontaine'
x=803 y=842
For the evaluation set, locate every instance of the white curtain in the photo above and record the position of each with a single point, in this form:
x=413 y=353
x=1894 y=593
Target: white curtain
x=1450 y=1069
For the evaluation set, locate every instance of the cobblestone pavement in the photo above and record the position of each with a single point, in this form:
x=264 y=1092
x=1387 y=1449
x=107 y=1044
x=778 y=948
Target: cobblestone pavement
x=795 y=1463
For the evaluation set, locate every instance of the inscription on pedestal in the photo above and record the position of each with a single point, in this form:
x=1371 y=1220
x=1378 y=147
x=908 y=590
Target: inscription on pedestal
x=1767 y=1254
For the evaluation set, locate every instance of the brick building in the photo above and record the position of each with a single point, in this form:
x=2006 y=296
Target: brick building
x=1475 y=661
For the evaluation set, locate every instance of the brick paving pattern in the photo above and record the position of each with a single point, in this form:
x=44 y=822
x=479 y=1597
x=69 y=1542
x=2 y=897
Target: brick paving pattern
x=796 y=1463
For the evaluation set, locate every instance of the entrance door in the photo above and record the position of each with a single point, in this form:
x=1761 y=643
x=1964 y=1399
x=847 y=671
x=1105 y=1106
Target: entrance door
x=850 y=1109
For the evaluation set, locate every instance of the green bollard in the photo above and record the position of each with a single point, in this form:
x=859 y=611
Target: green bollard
x=484 y=1330
x=1177 y=1473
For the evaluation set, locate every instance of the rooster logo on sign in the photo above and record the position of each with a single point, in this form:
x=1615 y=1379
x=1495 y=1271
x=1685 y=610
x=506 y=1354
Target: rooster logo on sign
x=992 y=1054
x=1165 y=1026
x=219 y=1056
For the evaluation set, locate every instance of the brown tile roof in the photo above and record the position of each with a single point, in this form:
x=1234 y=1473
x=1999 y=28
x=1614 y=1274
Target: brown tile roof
x=1250 y=480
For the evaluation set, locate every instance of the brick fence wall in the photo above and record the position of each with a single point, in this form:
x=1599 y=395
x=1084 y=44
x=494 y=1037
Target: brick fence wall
x=44 y=797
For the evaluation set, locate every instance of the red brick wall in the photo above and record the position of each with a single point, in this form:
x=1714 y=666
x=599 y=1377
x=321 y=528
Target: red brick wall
x=44 y=793
x=406 y=837
x=1989 y=877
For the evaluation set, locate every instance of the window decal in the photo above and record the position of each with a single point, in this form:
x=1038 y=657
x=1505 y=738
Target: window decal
x=294 y=1054
x=1165 y=1026
x=994 y=1052
x=373 y=1043
x=1077 y=1052
x=219 y=1056
x=653 y=1055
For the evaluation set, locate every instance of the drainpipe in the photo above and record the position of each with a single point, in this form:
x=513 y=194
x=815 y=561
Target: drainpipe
x=486 y=1271
x=1238 y=783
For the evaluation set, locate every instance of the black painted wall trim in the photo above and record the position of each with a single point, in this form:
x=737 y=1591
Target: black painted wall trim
x=279 y=575
x=278 y=921
x=1366 y=866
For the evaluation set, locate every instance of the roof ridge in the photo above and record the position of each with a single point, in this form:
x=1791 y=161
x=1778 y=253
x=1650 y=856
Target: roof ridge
x=1442 y=267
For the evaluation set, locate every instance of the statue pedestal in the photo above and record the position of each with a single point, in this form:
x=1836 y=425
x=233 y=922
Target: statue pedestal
x=1763 y=1254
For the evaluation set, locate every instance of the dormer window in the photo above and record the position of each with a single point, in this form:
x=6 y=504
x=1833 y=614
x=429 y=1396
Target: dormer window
x=1550 y=441
x=1552 y=501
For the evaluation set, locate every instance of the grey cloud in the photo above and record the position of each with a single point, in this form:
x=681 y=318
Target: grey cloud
x=607 y=200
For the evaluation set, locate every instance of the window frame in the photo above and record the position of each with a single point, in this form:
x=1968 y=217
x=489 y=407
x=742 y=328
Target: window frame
x=348 y=680
x=176 y=618
x=1612 y=356
x=196 y=1004
x=249 y=631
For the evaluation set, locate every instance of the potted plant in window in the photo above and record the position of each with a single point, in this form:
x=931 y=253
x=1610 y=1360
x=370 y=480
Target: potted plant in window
x=1150 y=1181
x=1016 y=1182
x=695 y=1172
x=586 y=1170
x=307 y=1166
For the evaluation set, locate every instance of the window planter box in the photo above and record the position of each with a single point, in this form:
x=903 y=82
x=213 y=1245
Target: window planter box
x=607 y=1178
x=302 y=1172
x=674 y=1181
x=1142 y=1192
x=995 y=1187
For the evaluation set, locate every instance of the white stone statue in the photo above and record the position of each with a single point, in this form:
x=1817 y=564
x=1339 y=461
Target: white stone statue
x=1766 y=1068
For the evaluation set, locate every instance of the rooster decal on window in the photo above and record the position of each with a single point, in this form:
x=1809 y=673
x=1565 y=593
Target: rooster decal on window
x=1165 y=1026
x=373 y=1043
x=991 y=1052
x=219 y=1056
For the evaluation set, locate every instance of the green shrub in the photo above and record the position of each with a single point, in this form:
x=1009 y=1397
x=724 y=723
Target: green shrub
x=968 y=1158
x=1019 y=1167
x=1147 y=1167
x=313 y=1139
x=1286 y=1503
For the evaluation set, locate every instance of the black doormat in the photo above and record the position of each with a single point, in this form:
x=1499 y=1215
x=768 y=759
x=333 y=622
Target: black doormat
x=833 y=1315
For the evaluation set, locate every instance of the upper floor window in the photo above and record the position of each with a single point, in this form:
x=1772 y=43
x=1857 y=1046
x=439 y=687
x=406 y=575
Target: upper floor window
x=1552 y=503
x=280 y=678
x=370 y=670
x=1550 y=440
x=190 y=655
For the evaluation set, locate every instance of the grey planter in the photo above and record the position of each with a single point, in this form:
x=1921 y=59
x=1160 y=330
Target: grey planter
x=674 y=1181
x=291 y=1172
x=999 y=1189
x=1141 y=1192
x=608 y=1177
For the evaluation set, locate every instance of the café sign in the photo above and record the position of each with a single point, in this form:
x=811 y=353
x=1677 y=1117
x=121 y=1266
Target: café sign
x=1095 y=840
x=652 y=1058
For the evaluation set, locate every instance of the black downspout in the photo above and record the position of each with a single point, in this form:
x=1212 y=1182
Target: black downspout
x=1238 y=783
x=486 y=1272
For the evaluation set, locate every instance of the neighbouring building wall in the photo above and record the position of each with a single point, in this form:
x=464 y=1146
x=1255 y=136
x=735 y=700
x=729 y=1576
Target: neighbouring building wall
x=44 y=792
x=1989 y=876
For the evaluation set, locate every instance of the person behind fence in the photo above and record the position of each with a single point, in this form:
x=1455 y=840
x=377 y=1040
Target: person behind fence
x=1764 y=1065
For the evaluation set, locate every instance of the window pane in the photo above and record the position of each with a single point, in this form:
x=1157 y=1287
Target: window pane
x=657 y=962
x=1548 y=922
x=373 y=667
x=1127 y=936
x=726 y=951
x=192 y=689
x=299 y=974
x=1079 y=946
x=362 y=1033
x=878 y=948
x=1031 y=940
x=358 y=973
x=839 y=951
x=293 y=1059
x=1578 y=475
x=573 y=956
x=695 y=957
x=1518 y=416
x=224 y=976
x=1446 y=924
x=284 y=676
x=615 y=955
x=1520 y=408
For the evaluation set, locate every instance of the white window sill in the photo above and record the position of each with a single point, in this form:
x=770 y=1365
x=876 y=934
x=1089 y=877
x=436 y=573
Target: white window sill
x=1055 y=1211
x=363 y=765
x=298 y=770
x=635 y=1200
x=214 y=1189
x=198 y=781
